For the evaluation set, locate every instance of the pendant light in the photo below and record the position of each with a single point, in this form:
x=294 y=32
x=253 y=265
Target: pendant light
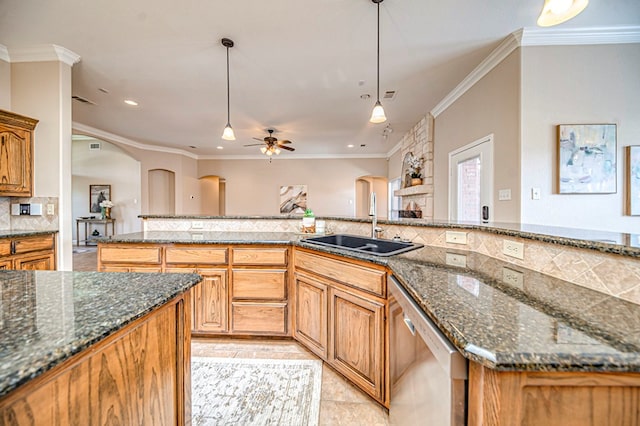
x=377 y=116
x=555 y=12
x=228 y=134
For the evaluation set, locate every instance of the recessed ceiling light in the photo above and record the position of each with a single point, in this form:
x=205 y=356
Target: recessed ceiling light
x=130 y=102
x=365 y=96
x=191 y=146
x=350 y=146
x=220 y=147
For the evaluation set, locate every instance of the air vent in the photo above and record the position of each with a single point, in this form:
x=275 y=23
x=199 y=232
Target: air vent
x=81 y=99
x=94 y=146
x=389 y=94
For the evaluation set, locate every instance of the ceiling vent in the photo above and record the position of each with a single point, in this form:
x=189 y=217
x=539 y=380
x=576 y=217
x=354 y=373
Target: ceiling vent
x=81 y=99
x=390 y=95
x=94 y=146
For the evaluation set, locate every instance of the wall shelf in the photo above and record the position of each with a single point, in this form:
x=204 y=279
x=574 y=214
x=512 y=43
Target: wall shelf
x=413 y=190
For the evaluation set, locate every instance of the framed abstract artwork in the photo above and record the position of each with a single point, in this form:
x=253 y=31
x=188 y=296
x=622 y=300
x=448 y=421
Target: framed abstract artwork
x=587 y=159
x=633 y=180
x=293 y=199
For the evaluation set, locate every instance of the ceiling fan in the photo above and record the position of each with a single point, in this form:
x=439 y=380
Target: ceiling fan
x=271 y=145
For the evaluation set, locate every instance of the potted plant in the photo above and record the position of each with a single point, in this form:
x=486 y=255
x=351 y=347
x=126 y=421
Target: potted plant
x=308 y=221
x=105 y=209
x=415 y=169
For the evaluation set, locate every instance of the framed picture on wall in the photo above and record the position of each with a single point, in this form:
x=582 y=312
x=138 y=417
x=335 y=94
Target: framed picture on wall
x=587 y=159
x=633 y=180
x=293 y=199
x=97 y=194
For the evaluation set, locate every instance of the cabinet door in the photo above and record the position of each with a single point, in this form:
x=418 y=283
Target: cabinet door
x=356 y=340
x=311 y=314
x=41 y=262
x=6 y=264
x=210 y=302
x=15 y=162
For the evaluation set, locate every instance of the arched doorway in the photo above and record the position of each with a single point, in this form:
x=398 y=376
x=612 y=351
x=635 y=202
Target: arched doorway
x=213 y=192
x=162 y=192
x=365 y=185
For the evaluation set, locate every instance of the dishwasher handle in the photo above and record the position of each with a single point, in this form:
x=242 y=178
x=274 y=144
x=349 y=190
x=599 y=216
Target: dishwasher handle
x=409 y=324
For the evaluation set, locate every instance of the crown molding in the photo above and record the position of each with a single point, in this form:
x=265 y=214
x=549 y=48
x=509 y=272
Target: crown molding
x=294 y=157
x=394 y=149
x=44 y=53
x=538 y=37
x=579 y=36
x=4 y=53
x=110 y=137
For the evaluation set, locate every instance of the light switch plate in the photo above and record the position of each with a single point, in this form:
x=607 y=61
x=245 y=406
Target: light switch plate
x=535 y=193
x=51 y=209
x=504 y=195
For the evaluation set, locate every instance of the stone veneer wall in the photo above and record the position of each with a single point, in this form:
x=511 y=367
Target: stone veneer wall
x=419 y=141
x=28 y=223
x=610 y=274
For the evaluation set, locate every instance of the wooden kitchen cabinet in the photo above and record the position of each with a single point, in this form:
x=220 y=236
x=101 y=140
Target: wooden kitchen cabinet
x=341 y=316
x=16 y=154
x=36 y=252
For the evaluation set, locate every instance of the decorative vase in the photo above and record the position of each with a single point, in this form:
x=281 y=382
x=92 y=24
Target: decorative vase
x=416 y=181
x=103 y=213
x=107 y=212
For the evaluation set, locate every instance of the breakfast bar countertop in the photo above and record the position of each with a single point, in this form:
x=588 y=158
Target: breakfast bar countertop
x=49 y=316
x=534 y=322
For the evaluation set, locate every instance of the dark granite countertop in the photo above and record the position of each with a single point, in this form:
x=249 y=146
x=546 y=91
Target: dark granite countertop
x=498 y=314
x=48 y=316
x=626 y=244
x=8 y=233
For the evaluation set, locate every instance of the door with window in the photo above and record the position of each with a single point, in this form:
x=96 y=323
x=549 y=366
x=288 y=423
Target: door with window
x=471 y=182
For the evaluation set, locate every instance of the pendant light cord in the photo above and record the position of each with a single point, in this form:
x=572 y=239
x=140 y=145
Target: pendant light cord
x=378 y=56
x=228 y=95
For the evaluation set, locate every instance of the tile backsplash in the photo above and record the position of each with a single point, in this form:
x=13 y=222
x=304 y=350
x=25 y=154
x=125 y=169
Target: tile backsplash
x=30 y=223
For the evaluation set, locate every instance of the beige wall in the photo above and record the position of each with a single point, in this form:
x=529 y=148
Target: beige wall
x=112 y=166
x=252 y=186
x=577 y=85
x=42 y=90
x=5 y=85
x=491 y=106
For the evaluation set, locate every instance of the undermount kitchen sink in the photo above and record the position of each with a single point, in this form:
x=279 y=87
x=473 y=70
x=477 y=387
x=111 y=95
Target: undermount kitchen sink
x=374 y=246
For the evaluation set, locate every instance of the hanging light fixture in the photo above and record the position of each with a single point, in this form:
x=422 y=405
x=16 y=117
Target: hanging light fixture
x=555 y=12
x=377 y=116
x=228 y=134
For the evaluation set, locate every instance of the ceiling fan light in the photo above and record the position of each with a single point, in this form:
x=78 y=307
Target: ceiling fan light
x=555 y=12
x=377 y=115
x=263 y=149
x=228 y=134
x=269 y=152
x=277 y=151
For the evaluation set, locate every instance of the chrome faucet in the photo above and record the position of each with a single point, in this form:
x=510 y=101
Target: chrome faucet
x=374 y=217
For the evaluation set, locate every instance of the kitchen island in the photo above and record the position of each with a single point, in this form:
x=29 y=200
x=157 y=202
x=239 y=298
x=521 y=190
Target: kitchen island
x=535 y=344
x=94 y=348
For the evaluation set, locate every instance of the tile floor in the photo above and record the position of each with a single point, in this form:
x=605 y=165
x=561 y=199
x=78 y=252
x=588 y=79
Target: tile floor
x=341 y=403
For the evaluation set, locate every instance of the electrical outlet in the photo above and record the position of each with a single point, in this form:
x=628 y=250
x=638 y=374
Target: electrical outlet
x=197 y=237
x=51 y=209
x=513 y=249
x=454 y=259
x=455 y=237
x=513 y=278
x=504 y=195
x=197 y=224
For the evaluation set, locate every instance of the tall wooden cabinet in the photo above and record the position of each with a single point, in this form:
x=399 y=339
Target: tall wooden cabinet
x=16 y=154
x=340 y=315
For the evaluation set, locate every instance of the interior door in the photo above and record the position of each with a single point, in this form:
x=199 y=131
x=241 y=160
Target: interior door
x=471 y=182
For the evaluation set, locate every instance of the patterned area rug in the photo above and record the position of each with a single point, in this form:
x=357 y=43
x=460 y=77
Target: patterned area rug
x=234 y=391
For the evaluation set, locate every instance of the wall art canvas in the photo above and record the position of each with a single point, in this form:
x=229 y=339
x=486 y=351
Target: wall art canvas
x=633 y=180
x=97 y=194
x=587 y=158
x=293 y=199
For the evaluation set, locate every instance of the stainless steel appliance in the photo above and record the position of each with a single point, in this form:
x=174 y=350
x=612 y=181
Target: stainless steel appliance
x=428 y=374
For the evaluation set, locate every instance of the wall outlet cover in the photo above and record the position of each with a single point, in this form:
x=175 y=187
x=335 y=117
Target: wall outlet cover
x=456 y=237
x=513 y=249
x=455 y=259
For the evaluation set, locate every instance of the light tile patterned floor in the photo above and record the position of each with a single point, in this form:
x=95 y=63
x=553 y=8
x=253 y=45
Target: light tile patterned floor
x=341 y=403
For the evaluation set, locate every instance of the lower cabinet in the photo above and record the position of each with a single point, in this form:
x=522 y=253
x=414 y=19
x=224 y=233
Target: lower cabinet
x=28 y=253
x=209 y=307
x=339 y=319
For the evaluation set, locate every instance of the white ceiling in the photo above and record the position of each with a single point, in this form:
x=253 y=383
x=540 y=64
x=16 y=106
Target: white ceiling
x=298 y=66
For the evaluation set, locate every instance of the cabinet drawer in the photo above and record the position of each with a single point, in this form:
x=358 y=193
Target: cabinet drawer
x=5 y=247
x=371 y=280
x=259 y=256
x=130 y=255
x=198 y=255
x=259 y=284
x=268 y=318
x=25 y=245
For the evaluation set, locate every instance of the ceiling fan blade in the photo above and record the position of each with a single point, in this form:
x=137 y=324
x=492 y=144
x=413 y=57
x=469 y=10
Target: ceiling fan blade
x=288 y=148
x=283 y=142
x=258 y=139
x=254 y=144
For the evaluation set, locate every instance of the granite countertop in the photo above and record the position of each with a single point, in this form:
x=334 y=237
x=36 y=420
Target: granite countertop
x=539 y=323
x=48 y=316
x=8 y=233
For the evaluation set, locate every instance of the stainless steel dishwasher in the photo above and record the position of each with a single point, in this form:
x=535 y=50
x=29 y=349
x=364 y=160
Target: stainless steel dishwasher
x=428 y=374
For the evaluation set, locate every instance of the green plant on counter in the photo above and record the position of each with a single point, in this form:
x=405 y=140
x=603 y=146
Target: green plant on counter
x=308 y=213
